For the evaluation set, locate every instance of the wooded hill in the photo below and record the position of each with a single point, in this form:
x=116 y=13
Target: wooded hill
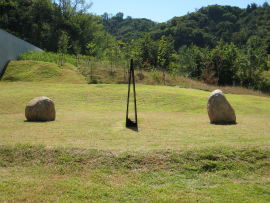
x=128 y=28
x=41 y=22
x=221 y=44
x=203 y=28
x=216 y=44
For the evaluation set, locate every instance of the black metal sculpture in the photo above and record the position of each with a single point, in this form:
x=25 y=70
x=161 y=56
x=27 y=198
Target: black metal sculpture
x=130 y=123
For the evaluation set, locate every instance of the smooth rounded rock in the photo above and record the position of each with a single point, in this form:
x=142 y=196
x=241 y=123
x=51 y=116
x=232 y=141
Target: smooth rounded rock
x=40 y=109
x=219 y=109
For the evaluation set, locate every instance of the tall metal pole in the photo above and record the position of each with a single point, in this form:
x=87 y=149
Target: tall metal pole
x=134 y=92
x=129 y=78
x=130 y=123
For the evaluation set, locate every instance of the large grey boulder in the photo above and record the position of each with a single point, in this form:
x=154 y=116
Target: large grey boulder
x=40 y=109
x=219 y=109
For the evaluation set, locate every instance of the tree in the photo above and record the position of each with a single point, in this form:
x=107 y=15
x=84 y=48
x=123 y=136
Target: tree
x=165 y=52
x=93 y=64
x=233 y=62
x=105 y=16
x=193 y=59
x=208 y=74
x=248 y=9
x=266 y=5
x=254 y=6
x=255 y=58
x=114 y=53
x=63 y=46
x=186 y=62
x=224 y=58
x=75 y=6
x=127 y=53
x=147 y=50
x=119 y=16
x=218 y=59
x=77 y=49
x=91 y=48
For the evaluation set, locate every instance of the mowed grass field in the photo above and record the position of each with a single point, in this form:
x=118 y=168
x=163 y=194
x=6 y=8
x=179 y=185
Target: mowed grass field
x=87 y=154
x=93 y=116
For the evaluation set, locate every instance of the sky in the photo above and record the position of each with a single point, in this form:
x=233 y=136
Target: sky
x=160 y=10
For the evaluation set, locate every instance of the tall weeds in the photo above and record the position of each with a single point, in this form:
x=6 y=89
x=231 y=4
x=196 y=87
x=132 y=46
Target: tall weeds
x=47 y=57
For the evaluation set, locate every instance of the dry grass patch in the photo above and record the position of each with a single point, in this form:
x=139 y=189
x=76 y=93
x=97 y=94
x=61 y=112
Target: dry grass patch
x=103 y=75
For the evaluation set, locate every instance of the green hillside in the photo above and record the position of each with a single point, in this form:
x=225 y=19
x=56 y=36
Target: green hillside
x=225 y=45
x=38 y=71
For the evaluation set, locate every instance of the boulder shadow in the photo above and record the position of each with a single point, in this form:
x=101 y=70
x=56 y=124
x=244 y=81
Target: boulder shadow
x=223 y=123
x=26 y=121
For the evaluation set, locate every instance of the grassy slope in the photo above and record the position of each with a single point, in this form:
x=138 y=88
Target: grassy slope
x=37 y=71
x=92 y=116
x=36 y=174
x=87 y=155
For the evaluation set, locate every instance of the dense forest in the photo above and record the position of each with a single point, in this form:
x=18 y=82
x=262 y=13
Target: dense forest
x=216 y=44
x=128 y=28
x=42 y=23
x=203 y=28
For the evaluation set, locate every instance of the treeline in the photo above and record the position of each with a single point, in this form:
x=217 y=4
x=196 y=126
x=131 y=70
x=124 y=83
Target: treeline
x=42 y=23
x=225 y=64
x=216 y=44
x=203 y=28
x=128 y=28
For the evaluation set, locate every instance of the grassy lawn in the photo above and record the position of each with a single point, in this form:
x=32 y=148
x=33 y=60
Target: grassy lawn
x=87 y=155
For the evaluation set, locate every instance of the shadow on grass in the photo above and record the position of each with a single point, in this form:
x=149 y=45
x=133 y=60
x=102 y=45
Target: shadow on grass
x=132 y=125
x=136 y=129
x=26 y=121
x=224 y=123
